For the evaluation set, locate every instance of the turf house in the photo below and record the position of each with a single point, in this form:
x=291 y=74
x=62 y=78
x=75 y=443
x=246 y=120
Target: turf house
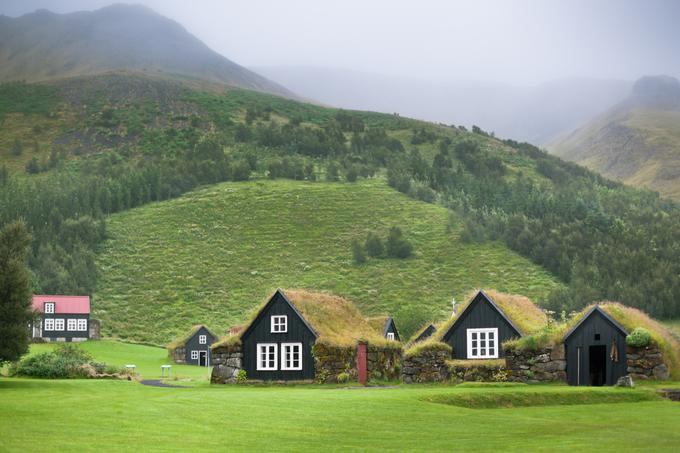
x=387 y=325
x=423 y=333
x=61 y=318
x=303 y=336
x=194 y=347
x=480 y=328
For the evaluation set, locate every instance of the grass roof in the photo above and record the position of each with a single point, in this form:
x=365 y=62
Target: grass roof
x=336 y=320
x=422 y=329
x=181 y=341
x=378 y=322
x=521 y=310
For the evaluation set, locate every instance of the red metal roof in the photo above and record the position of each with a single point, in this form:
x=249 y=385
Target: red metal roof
x=63 y=304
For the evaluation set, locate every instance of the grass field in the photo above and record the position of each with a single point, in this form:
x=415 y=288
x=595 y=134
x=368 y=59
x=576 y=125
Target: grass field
x=214 y=254
x=147 y=359
x=86 y=415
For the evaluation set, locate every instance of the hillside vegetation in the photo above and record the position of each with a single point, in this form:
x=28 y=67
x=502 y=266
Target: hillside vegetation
x=212 y=255
x=120 y=141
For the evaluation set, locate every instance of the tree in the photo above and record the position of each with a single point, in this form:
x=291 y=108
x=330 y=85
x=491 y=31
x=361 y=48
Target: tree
x=15 y=291
x=358 y=252
x=397 y=246
x=332 y=172
x=32 y=166
x=17 y=148
x=374 y=245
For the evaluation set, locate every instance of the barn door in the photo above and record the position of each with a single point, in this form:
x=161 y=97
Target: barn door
x=362 y=370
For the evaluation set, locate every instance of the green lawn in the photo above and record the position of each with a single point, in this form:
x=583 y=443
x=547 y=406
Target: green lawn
x=214 y=254
x=85 y=415
x=147 y=359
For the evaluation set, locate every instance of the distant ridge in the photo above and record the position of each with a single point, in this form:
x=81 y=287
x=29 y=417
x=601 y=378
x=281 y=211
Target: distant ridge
x=44 y=45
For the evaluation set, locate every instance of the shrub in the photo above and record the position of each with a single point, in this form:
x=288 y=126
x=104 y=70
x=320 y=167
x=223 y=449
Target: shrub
x=374 y=245
x=343 y=378
x=241 y=377
x=639 y=338
x=332 y=172
x=358 y=252
x=66 y=361
x=397 y=246
x=351 y=175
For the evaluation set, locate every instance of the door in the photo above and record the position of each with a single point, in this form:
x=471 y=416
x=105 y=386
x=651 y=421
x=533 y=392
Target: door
x=597 y=365
x=202 y=358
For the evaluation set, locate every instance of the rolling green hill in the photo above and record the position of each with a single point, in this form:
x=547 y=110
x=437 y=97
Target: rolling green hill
x=637 y=142
x=48 y=46
x=212 y=255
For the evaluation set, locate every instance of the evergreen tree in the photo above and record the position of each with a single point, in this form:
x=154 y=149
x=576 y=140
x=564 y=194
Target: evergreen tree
x=358 y=252
x=374 y=245
x=15 y=291
x=397 y=246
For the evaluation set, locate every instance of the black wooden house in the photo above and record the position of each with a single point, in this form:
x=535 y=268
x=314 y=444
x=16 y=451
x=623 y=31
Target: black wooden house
x=480 y=328
x=424 y=333
x=596 y=350
x=194 y=347
x=387 y=327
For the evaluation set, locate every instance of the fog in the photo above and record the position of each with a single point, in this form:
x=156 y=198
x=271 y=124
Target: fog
x=513 y=47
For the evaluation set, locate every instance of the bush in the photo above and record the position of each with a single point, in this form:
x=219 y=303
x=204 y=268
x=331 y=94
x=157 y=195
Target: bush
x=397 y=246
x=374 y=245
x=343 y=378
x=351 y=175
x=639 y=338
x=241 y=377
x=65 y=362
x=358 y=252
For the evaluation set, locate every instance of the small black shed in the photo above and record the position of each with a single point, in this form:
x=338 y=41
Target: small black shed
x=596 y=350
x=194 y=347
x=424 y=333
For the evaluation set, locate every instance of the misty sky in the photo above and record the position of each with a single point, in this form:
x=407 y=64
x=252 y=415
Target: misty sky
x=519 y=42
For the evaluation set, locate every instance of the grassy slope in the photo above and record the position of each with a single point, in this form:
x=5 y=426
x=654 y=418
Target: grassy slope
x=638 y=146
x=147 y=359
x=115 y=416
x=214 y=254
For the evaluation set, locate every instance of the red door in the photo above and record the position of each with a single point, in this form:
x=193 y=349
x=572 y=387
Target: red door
x=361 y=363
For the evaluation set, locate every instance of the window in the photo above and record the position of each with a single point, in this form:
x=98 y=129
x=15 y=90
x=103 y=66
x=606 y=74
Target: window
x=266 y=356
x=49 y=324
x=291 y=356
x=82 y=325
x=49 y=308
x=279 y=324
x=194 y=355
x=202 y=339
x=390 y=335
x=482 y=343
x=58 y=324
x=597 y=337
x=71 y=324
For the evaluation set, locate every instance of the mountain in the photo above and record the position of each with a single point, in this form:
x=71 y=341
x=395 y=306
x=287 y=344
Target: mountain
x=637 y=141
x=44 y=45
x=529 y=113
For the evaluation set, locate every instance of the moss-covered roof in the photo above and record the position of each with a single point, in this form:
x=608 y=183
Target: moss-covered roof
x=334 y=319
x=519 y=310
x=181 y=341
x=422 y=329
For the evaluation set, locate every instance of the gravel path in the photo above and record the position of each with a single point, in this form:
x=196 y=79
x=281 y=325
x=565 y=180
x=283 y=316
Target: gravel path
x=158 y=383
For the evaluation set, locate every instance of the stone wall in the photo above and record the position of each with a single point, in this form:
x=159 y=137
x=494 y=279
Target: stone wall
x=332 y=362
x=178 y=355
x=227 y=363
x=544 y=365
x=646 y=363
x=427 y=366
x=95 y=329
x=478 y=370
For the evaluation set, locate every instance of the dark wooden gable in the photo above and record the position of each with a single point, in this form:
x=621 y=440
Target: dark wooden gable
x=480 y=313
x=259 y=331
x=192 y=343
x=596 y=330
x=426 y=333
x=391 y=326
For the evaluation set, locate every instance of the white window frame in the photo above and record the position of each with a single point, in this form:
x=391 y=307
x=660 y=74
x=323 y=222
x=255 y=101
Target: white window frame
x=390 y=335
x=267 y=367
x=194 y=355
x=72 y=324
x=279 y=324
x=59 y=324
x=482 y=351
x=286 y=349
x=49 y=325
x=82 y=325
x=49 y=308
x=202 y=339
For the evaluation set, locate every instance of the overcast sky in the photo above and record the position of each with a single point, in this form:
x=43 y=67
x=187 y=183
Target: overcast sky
x=520 y=42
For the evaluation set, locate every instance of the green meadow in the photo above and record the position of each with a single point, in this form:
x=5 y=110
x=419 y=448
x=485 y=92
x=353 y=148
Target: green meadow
x=212 y=255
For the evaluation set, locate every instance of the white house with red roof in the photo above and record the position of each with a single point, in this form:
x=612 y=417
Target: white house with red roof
x=61 y=318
